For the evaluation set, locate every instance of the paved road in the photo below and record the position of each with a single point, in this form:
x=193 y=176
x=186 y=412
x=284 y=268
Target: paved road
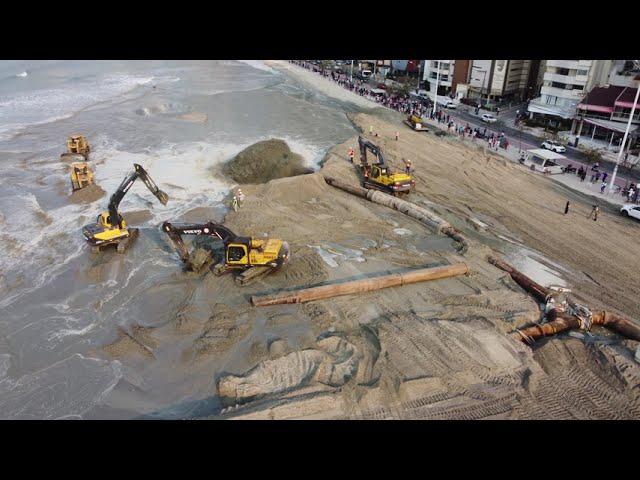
x=531 y=141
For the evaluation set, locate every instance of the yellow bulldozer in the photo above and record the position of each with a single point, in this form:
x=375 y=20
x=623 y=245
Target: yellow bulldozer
x=77 y=144
x=416 y=123
x=81 y=175
x=78 y=154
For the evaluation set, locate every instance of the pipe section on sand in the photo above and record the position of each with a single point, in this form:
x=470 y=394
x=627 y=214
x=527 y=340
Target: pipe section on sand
x=429 y=219
x=360 y=286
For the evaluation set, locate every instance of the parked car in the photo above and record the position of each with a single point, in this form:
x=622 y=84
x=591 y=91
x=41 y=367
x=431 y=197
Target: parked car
x=554 y=146
x=450 y=105
x=488 y=118
x=631 y=211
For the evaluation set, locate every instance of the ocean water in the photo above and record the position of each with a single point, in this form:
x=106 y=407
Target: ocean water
x=58 y=303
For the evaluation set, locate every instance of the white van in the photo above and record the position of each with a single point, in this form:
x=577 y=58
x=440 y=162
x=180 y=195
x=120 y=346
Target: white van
x=543 y=161
x=365 y=73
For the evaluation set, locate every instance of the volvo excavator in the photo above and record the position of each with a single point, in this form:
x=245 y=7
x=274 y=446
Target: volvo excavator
x=253 y=257
x=110 y=228
x=378 y=175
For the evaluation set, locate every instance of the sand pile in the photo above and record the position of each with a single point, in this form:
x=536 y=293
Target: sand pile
x=87 y=194
x=264 y=161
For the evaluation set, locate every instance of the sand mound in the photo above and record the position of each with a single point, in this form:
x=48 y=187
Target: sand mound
x=264 y=161
x=88 y=194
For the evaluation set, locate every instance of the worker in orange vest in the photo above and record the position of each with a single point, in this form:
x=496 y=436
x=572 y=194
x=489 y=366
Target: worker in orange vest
x=351 y=155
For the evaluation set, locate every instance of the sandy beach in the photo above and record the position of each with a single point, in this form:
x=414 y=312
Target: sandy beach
x=438 y=350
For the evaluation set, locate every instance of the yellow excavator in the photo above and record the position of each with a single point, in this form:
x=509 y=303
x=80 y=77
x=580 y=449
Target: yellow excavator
x=110 y=228
x=252 y=257
x=379 y=175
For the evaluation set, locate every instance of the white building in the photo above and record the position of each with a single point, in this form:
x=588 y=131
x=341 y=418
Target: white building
x=564 y=84
x=445 y=81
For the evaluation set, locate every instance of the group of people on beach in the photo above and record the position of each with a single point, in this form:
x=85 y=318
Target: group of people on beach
x=402 y=103
x=630 y=192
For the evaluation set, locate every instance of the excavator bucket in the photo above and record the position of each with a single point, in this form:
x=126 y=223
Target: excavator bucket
x=162 y=196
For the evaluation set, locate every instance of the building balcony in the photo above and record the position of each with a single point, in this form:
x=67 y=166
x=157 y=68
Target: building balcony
x=562 y=93
x=570 y=79
x=570 y=64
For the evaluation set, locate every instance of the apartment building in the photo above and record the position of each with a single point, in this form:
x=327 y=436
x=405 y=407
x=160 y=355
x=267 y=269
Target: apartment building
x=453 y=73
x=444 y=81
x=564 y=85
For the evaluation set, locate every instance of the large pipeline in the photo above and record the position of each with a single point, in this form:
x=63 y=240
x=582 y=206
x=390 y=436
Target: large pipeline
x=359 y=286
x=561 y=321
x=426 y=217
x=538 y=291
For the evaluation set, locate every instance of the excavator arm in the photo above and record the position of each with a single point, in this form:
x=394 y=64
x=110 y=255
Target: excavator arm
x=374 y=149
x=124 y=187
x=211 y=229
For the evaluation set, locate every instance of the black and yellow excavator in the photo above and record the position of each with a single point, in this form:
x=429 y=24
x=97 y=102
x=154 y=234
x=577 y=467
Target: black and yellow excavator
x=378 y=175
x=110 y=228
x=253 y=257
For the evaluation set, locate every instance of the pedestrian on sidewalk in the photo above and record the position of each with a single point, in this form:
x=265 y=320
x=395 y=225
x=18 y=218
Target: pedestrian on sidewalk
x=397 y=135
x=234 y=203
x=351 y=154
x=566 y=208
x=604 y=176
x=603 y=186
x=594 y=213
x=370 y=129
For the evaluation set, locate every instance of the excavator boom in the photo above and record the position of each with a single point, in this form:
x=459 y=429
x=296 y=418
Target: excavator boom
x=118 y=195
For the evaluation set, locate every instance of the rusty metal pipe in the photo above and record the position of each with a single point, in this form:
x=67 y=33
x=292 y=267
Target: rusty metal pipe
x=538 y=291
x=361 y=286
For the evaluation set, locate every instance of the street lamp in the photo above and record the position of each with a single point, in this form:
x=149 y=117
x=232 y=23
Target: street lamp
x=435 y=98
x=624 y=140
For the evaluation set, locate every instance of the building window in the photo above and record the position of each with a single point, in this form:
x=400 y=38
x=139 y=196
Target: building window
x=583 y=72
x=559 y=85
x=562 y=71
x=578 y=87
